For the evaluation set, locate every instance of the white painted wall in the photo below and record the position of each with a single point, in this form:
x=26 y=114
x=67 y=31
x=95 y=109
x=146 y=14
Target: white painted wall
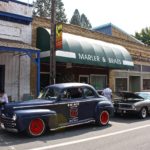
x=12 y=78
x=16 y=83
x=15 y=31
x=16 y=8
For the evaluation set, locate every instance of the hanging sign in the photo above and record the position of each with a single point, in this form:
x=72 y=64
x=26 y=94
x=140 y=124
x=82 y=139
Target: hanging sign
x=59 y=36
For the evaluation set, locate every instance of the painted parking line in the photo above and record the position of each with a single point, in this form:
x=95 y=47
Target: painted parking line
x=89 y=139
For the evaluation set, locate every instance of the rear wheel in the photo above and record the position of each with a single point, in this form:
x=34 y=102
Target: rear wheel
x=143 y=113
x=103 y=118
x=36 y=127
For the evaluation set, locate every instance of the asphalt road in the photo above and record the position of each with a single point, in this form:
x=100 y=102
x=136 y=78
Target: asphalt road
x=122 y=133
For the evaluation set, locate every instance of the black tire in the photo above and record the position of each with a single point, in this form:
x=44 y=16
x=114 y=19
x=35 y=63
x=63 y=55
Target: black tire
x=36 y=127
x=103 y=118
x=143 y=113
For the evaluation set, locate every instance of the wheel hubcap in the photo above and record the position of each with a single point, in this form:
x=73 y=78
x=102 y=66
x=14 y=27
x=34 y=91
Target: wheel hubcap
x=36 y=127
x=144 y=113
x=104 y=117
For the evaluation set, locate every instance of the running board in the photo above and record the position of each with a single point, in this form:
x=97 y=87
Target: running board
x=72 y=125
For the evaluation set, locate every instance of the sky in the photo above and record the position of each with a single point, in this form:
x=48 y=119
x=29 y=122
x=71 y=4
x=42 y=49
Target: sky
x=129 y=15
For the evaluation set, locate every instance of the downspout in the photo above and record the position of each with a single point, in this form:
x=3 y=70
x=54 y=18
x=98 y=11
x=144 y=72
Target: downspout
x=38 y=73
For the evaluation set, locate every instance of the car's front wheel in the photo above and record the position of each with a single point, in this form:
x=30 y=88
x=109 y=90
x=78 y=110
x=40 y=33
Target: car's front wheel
x=36 y=127
x=143 y=113
x=103 y=118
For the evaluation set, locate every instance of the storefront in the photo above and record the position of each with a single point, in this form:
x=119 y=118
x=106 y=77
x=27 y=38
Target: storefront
x=82 y=59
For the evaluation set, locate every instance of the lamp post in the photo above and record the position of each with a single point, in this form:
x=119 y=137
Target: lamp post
x=52 y=44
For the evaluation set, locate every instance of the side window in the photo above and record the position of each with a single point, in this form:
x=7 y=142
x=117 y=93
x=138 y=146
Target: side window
x=89 y=93
x=72 y=93
x=66 y=94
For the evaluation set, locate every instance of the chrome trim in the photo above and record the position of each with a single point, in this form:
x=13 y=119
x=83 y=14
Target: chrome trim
x=126 y=109
x=72 y=125
x=53 y=104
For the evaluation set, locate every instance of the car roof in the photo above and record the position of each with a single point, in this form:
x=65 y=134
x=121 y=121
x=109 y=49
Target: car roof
x=70 y=84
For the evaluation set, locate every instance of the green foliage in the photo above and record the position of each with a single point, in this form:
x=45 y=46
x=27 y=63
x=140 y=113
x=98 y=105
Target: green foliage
x=42 y=8
x=85 y=22
x=80 y=20
x=144 y=35
x=76 y=18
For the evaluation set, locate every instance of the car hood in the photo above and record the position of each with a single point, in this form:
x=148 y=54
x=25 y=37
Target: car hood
x=128 y=95
x=10 y=107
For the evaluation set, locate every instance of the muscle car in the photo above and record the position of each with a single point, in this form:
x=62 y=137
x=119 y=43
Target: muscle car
x=132 y=103
x=58 y=106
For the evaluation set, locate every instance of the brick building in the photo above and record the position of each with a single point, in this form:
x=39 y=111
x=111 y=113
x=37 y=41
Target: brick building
x=120 y=75
x=15 y=49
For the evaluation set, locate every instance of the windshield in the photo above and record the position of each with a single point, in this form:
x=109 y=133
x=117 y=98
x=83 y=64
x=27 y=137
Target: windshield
x=144 y=95
x=49 y=93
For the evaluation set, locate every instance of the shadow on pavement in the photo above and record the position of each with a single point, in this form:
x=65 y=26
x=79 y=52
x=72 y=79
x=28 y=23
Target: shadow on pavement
x=21 y=138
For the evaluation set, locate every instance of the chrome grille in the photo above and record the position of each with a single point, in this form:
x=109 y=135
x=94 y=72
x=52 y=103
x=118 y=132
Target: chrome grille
x=125 y=106
x=8 y=122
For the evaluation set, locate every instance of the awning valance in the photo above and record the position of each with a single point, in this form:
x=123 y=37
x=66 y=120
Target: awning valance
x=82 y=50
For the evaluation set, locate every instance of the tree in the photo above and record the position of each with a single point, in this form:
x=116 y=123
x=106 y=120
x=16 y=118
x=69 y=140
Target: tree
x=42 y=8
x=144 y=35
x=85 y=22
x=80 y=20
x=76 y=19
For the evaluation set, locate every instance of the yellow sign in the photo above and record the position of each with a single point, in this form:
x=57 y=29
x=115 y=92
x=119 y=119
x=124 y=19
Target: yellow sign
x=59 y=36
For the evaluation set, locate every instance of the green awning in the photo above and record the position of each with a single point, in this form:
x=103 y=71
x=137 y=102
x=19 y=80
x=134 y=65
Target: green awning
x=82 y=50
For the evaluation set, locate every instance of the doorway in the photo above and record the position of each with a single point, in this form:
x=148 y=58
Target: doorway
x=2 y=76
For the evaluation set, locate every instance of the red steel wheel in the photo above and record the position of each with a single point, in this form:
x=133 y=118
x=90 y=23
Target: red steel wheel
x=36 y=127
x=104 y=118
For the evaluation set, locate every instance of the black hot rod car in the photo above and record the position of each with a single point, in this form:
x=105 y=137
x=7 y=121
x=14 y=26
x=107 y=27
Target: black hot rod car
x=59 y=105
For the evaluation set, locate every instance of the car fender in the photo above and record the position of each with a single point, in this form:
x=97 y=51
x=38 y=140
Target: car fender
x=25 y=116
x=104 y=105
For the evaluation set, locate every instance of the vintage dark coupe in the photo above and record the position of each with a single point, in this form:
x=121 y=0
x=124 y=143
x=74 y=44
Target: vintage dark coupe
x=59 y=106
x=132 y=103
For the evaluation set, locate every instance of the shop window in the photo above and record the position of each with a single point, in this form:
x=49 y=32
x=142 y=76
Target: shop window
x=121 y=84
x=84 y=79
x=146 y=68
x=146 y=84
x=98 y=81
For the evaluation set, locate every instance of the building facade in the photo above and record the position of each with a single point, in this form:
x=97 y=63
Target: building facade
x=15 y=49
x=129 y=79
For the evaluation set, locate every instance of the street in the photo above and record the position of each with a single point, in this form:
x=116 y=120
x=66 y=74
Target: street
x=128 y=133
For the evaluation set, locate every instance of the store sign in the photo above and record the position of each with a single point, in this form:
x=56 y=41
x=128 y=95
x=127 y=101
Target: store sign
x=95 y=58
x=58 y=36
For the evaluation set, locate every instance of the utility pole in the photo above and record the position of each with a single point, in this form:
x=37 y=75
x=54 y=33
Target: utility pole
x=52 y=43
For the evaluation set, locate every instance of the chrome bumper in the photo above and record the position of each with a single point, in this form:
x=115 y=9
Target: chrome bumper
x=2 y=126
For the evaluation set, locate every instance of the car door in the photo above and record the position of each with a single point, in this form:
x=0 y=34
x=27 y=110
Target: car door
x=88 y=104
